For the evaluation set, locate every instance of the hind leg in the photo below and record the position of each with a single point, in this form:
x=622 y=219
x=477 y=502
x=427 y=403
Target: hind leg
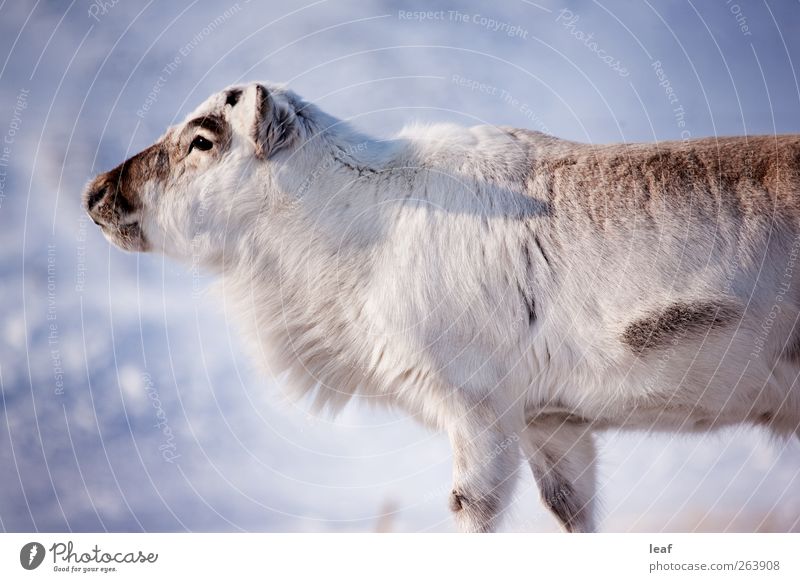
x=562 y=457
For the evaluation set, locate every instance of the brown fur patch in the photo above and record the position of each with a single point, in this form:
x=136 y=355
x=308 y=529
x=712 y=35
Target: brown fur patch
x=604 y=186
x=676 y=321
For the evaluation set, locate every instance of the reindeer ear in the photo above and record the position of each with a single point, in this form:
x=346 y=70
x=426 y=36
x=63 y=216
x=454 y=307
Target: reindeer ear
x=268 y=119
x=275 y=123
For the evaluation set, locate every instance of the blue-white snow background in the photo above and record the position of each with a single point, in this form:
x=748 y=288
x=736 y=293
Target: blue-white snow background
x=129 y=334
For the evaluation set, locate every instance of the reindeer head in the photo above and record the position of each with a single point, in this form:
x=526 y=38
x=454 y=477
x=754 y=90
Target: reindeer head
x=185 y=194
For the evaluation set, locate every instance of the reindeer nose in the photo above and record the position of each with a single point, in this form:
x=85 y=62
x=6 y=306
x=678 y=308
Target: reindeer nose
x=92 y=201
x=94 y=196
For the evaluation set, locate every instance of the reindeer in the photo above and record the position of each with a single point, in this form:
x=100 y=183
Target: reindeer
x=519 y=291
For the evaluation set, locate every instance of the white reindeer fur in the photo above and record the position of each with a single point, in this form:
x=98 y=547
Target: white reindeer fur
x=393 y=271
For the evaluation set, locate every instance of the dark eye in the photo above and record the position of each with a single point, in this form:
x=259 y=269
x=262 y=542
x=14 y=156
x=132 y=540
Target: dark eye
x=201 y=144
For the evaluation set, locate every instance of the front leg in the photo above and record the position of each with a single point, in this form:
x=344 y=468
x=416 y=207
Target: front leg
x=485 y=463
x=562 y=455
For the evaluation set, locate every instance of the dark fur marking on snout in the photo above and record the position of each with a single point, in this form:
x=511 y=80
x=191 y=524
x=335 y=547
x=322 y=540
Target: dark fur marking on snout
x=113 y=200
x=127 y=179
x=677 y=321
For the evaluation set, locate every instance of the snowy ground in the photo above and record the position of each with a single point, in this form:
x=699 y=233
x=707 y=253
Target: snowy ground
x=126 y=402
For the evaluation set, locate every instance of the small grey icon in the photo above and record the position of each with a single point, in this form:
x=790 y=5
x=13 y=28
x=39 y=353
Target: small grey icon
x=31 y=555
